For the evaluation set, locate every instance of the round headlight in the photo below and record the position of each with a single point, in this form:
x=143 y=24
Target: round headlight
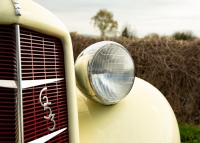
x=110 y=71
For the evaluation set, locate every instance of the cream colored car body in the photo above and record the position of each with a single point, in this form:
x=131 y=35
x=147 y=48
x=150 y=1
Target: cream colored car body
x=144 y=116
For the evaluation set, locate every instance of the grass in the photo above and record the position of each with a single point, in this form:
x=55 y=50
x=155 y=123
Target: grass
x=189 y=133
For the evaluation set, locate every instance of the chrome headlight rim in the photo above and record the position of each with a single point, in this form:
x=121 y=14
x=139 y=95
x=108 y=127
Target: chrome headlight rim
x=102 y=99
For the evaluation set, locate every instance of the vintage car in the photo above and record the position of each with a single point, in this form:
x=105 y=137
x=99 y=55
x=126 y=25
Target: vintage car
x=45 y=97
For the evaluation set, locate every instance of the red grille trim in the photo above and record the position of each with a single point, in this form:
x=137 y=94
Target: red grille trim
x=7 y=54
x=7 y=95
x=42 y=58
x=7 y=115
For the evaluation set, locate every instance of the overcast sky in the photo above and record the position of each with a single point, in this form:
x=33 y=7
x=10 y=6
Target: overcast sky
x=145 y=16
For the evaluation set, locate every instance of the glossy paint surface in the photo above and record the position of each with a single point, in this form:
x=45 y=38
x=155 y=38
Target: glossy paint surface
x=144 y=116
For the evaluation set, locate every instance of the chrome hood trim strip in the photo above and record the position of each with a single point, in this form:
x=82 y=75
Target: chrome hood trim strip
x=17 y=7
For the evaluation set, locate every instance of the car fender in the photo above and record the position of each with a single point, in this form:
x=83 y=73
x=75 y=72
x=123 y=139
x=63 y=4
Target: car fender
x=144 y=116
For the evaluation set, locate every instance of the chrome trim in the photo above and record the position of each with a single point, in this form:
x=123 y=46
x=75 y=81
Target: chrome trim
x=31 y=83
x=45 y=105
x=8 y=83
x=48 y=137
x=27 y=83
x=17 y=7
x=19 y=91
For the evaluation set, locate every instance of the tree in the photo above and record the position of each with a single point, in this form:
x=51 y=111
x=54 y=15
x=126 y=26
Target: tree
x=128 y=32
x=186 y=35
x=152 y=36
x=104 y=21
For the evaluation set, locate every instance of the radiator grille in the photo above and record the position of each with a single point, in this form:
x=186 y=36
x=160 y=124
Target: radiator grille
x=7 y=52
x=7 y=95
x=42 y=58
x=7 y=115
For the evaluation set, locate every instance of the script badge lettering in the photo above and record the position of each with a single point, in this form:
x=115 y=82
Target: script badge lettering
x=45 y=105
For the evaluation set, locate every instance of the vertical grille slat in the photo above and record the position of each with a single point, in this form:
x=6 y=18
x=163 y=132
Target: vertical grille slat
x=42 y=58
x=7 y=72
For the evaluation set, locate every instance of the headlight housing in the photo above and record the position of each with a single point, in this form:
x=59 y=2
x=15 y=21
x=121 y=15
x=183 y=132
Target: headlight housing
x=105 y=72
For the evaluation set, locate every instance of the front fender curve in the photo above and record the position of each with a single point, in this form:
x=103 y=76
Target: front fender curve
x=144 y=116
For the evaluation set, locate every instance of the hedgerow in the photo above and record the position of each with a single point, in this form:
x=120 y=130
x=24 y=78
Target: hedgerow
x=172 y=66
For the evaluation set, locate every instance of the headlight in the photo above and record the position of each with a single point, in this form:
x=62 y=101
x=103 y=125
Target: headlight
x=105 y=72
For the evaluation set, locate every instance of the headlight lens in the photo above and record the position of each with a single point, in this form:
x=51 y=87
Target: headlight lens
x=110 y=70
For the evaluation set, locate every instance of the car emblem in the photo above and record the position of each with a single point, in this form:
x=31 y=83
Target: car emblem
x=45 y=105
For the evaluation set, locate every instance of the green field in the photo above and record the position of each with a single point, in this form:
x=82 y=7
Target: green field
x=189 y=133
